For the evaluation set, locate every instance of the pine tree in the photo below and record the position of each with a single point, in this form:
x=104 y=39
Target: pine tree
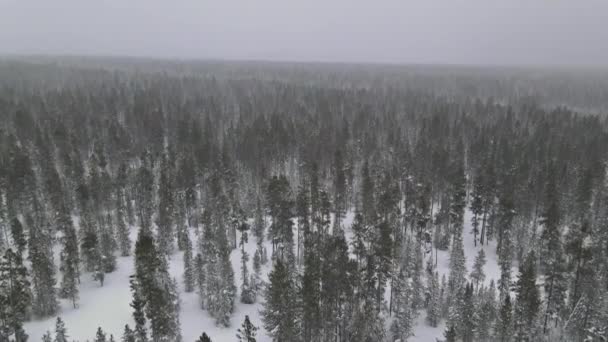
x=311 y=289
x=360 y=237
x=247 y=331
x=486 y=312
x=189 y=268
x=61 y=332
x=303 y=215
x=339 y=191
x=433 y=313
x=128 y=335
x=403 y=324
x=504 y=325
x=247 y=294
x=477 y=274
x=450 y=334
x=122 y=230
x=157 y=289
x=256 y=277
x=525 y=319
x=166 y=209
x=19 y=240
x=47 y=337
x=70 y=260
x=279 y=313
x=44 y=302
x=15 y=296
x=138 y=304
x=199 y=274
x=458 y=269
x=108 y=246
x=100 y=336
x=204 y=338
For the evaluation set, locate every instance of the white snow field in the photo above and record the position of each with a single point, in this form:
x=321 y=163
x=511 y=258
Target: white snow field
x=108 y=306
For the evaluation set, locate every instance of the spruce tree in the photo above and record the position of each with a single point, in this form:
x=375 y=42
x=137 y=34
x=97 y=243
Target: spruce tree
x=204 y=338
x=15 y=296
x=403 y=324
x=477 y=274
x=504 y=324
x=138 y=304
x=199 y=274
x=157 y=289
x=247 y=294
x=47 y=337
x=122 y=229
x=70 y=259
x=279 y=313
x=528 y=301
x=100 y=336
x=61 y=332
x=189 y=267
x=247 y=331
x=44 y=302
x=128 y=335
x=433 y=312
x=166 y=208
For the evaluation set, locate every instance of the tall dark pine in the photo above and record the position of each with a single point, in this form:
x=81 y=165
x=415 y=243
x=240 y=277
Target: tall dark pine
x=157 y=289
x=528 y=301
x=43 y=271
x=166 y=209
x=15 y=296
x=70 y=258
x=279 y=313
x=247 y=331
x=340 y=203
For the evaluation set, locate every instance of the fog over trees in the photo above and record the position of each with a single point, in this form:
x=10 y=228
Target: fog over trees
x=260 y=201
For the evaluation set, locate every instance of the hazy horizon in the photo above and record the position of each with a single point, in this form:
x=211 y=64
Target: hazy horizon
x=461 y=32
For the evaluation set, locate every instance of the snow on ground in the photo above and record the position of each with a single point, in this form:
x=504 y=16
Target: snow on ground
x=108 y=306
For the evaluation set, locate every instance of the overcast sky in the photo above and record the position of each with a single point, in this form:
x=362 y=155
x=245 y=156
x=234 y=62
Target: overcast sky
x=536 y=32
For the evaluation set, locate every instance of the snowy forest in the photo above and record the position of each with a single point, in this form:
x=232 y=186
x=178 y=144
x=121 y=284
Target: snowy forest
x=151 y=200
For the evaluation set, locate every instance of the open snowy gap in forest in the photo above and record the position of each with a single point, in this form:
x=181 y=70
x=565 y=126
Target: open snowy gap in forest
x=108 y=306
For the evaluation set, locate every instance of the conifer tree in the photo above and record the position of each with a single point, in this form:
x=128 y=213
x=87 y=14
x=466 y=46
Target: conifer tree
x=311 y=289
x=138 y=304
x=339 y=190
x=108 y=246
x=247 y=331
x=61 y=332
x=279 y=313
x=158 y=291
x=122 y=230
x=504 y=324
x=44 y=302
x=100 y=336
x=199 y=274
x=70 y=259
x=18 y=236
x=47 y=337
x=486 y=312
x=403 y=324
x=525 y=318
x=166 y=209
x=15 y=296
x=189 y=267
x=128 y=335
x=477 y=274
x=247 y=294
x=433 y=312
x=204 y=338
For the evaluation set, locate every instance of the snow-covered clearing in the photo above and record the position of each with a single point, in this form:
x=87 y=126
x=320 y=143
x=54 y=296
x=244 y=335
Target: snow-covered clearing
x=108 y=306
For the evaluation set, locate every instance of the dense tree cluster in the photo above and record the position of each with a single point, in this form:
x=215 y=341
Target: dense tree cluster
x=202 y=162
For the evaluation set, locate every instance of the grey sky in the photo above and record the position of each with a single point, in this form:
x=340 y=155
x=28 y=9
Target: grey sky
x=562 y=32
